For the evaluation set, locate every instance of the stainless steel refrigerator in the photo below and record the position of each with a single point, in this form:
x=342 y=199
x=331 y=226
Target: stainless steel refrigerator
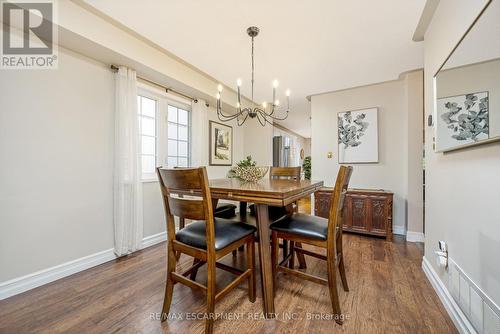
x=281 y=151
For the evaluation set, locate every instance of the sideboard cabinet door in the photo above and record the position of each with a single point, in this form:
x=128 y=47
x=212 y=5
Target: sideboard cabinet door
x=365 y=211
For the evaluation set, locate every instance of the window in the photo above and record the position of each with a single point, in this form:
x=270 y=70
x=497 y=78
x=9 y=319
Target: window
x=178 y=137
x=147 y=108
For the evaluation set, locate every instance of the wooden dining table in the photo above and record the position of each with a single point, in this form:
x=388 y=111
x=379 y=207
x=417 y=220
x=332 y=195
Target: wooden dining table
x=264 y=193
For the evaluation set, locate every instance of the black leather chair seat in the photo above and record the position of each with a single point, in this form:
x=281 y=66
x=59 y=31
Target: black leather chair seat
x=304 y=225
x=226 y=232
x=225 y=210
x=275 y=212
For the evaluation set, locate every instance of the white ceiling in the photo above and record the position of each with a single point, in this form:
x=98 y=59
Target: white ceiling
x=310 y=46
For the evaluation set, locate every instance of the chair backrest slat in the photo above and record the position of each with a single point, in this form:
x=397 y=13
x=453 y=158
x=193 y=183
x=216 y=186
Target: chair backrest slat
x=187 y=208
x=186 y=194
x=285 y=173
x=335 y=217
x=182 y=179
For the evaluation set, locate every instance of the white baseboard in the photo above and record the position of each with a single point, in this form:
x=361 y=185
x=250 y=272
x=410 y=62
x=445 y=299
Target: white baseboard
x=154 y=239
x=36 y=279
x=24 y=283
x=398 y=230
x=415 y=236
x=463 y=324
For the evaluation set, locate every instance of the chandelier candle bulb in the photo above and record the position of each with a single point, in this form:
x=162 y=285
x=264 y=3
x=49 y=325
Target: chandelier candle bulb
x=253 y=110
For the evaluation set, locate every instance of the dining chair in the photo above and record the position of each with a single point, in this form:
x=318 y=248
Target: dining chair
x=320 y=232
x=289 y=173
x=186 y=194
x=276 y=212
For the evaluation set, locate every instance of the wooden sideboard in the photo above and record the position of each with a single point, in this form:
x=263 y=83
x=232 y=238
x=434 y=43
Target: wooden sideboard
x=366 y=211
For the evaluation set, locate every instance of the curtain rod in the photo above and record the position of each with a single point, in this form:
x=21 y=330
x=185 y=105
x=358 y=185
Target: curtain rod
x=114 y=68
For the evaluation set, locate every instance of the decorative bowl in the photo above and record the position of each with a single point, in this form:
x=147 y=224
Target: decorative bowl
x=250 y=173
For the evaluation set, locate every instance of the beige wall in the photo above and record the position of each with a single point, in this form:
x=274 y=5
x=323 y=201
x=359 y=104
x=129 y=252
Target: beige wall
x=462 y=197
x=56 y=144
x=395 y=100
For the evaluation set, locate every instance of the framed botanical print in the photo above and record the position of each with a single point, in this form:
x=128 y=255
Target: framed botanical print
x=221 y=144
x=358 y=136
x=461 y=120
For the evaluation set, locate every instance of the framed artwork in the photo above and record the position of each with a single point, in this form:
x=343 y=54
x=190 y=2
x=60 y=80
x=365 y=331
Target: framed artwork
x=358 y=136
x=462 y=119
x=221 y=144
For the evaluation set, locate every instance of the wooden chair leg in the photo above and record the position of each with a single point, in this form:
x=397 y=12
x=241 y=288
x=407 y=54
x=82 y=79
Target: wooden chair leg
x=241 y=249
x=169 y=288
x=332 y=287
x=274 y=256
x=194 y=272
x=285 y=248
x=342 y=273
x=291 y=263
x=209 y=323
x=300 y=257
x=251 y=265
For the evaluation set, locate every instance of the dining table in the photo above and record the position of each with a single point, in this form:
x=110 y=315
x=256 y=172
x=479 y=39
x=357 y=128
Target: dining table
x=263 y=193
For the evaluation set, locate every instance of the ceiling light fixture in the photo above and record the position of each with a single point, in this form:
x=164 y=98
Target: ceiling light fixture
x=265 y=113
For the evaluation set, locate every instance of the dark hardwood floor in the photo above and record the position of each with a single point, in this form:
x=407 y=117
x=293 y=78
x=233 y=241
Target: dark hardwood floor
x=388 y=294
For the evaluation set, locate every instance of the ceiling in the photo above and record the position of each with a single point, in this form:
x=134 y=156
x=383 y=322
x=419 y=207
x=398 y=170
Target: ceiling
x=311 y=46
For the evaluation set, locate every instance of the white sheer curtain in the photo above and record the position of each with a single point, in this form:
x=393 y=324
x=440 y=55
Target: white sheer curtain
x=199 y=131
x=127 y=190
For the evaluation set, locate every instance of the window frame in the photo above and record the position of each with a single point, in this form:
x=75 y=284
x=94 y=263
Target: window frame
x=163 y=100
x=145 y=94
x=187 y=108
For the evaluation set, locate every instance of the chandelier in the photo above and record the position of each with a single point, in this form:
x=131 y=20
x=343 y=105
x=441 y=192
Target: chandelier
x=265 y=112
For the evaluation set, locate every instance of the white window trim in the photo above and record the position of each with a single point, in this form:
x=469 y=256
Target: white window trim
x=189 y=128
x=163 y=99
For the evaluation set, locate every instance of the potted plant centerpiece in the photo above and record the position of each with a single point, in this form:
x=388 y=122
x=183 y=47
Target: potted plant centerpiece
x=247 y=170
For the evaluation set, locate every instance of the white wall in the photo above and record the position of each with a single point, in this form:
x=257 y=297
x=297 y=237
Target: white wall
x=258 y=142
x=391 y=173
x=56 y=146
x=462 y=191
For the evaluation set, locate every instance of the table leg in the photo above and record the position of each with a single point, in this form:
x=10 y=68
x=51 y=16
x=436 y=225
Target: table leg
x=266 y=273
x=243 y=210
x=215 y=201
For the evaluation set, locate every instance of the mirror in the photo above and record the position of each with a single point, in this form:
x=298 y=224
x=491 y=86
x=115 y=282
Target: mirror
x=467 y=105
